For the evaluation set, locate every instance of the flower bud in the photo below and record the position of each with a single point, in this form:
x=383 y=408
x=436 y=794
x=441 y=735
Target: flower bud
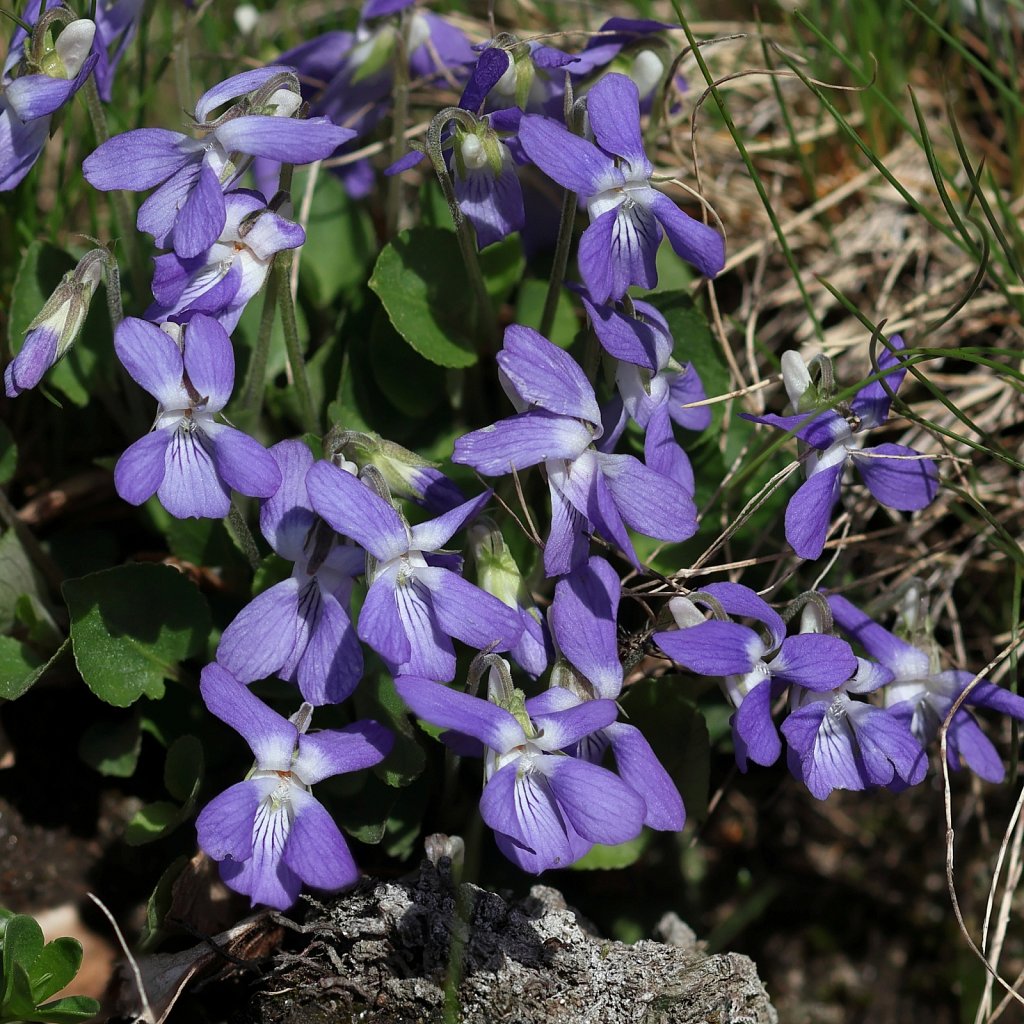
x=54 y=330
x=496 y=569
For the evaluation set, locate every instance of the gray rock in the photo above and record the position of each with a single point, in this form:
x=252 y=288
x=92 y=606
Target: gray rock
x=419 y=952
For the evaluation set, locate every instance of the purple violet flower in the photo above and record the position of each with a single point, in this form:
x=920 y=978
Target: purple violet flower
x=187 y=212
x=39 y=76
x=755 y=667
x=546 y=808
x=190 y=461
x=220 y=281
x=54 y=330
x=836 y=742
x=653 y=389
x=897 y=476
x=269 y=833
x=414 y=604
x=557 y=425
x=584 y=622
x=117 y=22
x=921 y=694
x=528 y=75
x=299 y=629
x=613 y=178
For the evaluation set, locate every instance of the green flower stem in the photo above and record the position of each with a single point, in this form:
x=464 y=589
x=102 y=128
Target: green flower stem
x=307 y=406
x=564 y=244
x=123 y=213
x=239 y=529
x=255 y=377
x=399 y=119
x=486 y=320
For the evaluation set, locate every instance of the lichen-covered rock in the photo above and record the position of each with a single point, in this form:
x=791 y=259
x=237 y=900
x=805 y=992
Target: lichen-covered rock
x=406 y=953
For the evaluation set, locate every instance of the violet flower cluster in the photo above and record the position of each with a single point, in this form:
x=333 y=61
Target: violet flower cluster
x=361 y=535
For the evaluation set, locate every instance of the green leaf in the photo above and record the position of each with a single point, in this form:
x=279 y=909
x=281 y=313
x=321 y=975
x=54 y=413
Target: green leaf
x=68 y=1010
x=414 y=385
x=55 y=967
x=112 y=748
x=676 y=731
x=23 y=942
x=13 y=685
x=604 y=858
x=18 y=1004
x=18 y=576
x=340 y=241
x=420 y=278
x=152 y=822
x=131 y=626
x=159 y=904
x=502 y=265
x=8 y=455
x=183 y=770
x=530 y=309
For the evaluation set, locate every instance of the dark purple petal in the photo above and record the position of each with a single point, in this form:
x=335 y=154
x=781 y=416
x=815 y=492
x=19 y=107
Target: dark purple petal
x=814 y=661
x=753 y=731
x=20 y=145
x=696 y=242
x=684 y=389
x=493 y=203
x=598 y=804
x=583 y=618
x=872 y=402
x=37 y=354
x=493 y=63
x=355 y=511
x=826 y=751
x=431 y=535
x=405 y=163
x=614 y=108
x=201 y=217
x=562 y=728
x=243 y=463
x=431 y=653
x=495 y=727
x=573 y=162
x=140 y=470
x=819 y=429
x=263 y=635
x=521 y=441
x=315 y=849
x=621 y=336
x=336 y=751
x=381 y=8
x=264 y=877
x=713 y=648
x=286 y=139
x=635 y=237
x=140 y=159
x=739 y=600
x=984 y=694
x=380 y=625
x=191 y=486
x=887 y=747
x=550 y=57
x=159 y=212
x=567 y=543
x=640 y=769
x=545 y=375
x=332 y=664
x=663 y=455
x=209 y=361
x=594 y=257
x=809 y=511
x=897 y=476
x=966 y=740
x=286 y=516
x=524 y=809
x=224 y=826
x=152 y=359
x=271 y=738
x=905 y=661
x=235 y=87
x=468 y=613
x=650 y=503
